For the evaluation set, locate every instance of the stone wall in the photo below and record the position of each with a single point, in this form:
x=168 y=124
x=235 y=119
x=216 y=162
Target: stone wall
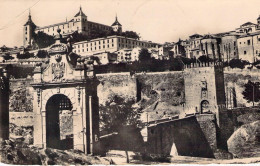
x=235 y=79
x=21 y=95
x=121 y=84
x=21 y=118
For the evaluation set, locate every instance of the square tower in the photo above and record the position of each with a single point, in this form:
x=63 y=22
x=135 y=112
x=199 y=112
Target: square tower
x=204 y=88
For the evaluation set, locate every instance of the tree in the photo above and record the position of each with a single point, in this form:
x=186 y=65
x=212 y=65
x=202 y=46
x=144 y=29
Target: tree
x=237 y=63
x=130 y=34
x=204 y=58
x=26 y=55
x=7 y=56
x=43 y=40
x=252 y=92
x=118 y=112
x=144 y=55
x=42 y=54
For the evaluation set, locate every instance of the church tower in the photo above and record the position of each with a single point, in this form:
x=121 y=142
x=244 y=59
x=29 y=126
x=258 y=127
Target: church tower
x=28 y=30
x=117 y=27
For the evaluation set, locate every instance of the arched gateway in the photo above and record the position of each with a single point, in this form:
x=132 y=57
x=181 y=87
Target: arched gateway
x=65 y=101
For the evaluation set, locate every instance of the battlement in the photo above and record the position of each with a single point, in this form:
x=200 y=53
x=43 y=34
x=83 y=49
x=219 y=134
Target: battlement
x=204 y=64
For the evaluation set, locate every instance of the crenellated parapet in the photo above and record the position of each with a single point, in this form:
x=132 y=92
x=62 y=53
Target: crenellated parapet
x=204 y=64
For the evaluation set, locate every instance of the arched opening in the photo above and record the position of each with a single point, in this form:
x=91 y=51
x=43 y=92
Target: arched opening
x=59 y=122
x=204 y=106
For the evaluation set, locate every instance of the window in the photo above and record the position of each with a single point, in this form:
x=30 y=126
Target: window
x=245 y=52
x=234 y=44
x=256 y=52
x=82 y=50
x=258 y=38
x=248 y=42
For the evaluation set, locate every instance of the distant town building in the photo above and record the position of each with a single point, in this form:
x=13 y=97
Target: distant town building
x=105 y=58
x=78 y=23
x=249 y=47
x=193 y=48
x=229 y=47
x=179 y=49
x=210 y=46
x=109 y=44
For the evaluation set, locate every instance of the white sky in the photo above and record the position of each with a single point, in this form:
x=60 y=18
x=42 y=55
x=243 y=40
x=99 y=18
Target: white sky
x=156 y=20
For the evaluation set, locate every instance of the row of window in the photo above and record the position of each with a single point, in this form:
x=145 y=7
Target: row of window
x=112 y=40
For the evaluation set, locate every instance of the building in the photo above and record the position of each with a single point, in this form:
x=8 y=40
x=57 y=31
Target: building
x=128 y=55
x=249 y=47
x=249 y=27
x=179 y=49
x=210 y=46
x=229 y=47
x=109 y=44
x=79 y=23
x=105 y=58
x=193 y=46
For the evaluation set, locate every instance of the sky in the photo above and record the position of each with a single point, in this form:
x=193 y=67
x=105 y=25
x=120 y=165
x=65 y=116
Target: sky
x=155 y=20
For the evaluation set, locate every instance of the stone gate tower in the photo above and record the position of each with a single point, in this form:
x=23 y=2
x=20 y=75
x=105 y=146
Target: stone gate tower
x=204 y=88
x=65 y=101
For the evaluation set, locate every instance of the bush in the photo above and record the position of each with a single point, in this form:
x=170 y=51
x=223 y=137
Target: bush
x=42 y=54
x=26 y=55
x=237 y=63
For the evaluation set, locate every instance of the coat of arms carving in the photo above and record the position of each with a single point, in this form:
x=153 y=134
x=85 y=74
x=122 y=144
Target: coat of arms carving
x=58 y=70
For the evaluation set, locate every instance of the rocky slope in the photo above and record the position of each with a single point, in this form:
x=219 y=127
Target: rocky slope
x=245 y=141
x=21 y=154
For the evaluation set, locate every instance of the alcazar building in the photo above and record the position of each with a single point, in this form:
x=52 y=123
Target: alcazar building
x=78 y=23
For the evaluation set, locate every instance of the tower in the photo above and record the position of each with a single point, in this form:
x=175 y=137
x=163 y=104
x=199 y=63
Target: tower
x=117 y=27
x=28 y=30
x=80 y=19
x=204 y=88
x=258 y=20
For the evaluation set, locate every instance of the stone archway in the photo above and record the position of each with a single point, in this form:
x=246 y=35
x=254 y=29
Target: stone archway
x=59 y=122
x=204 y=105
